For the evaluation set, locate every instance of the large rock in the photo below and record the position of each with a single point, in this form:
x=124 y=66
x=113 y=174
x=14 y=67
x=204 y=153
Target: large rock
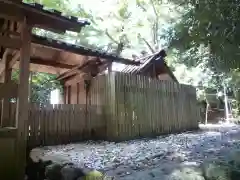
x=53 y=172
x=36 y=170
x=216 y=170
x=234 y=158
x=71 y=172
x=186 y=173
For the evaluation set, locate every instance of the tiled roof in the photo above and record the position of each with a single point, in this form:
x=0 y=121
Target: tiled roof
x=145 y=62
x=80 y=49
x=40 y=16
x=40 y=7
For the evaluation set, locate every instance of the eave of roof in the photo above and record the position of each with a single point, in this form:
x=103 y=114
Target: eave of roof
x=76 y=49
x=38 y=16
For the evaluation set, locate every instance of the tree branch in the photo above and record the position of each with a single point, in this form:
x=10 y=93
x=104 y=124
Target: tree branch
x=155 y=25
x=147 y=43
x=154 y=9
x=110 y=37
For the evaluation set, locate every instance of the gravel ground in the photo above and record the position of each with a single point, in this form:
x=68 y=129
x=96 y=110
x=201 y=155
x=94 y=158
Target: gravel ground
x=148 y=158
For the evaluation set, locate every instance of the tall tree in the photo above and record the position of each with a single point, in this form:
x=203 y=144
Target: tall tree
x=217 y=32
x=208 y=33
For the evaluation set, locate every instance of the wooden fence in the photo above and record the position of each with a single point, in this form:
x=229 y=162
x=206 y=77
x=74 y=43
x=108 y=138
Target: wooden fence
x=128 y=107
x=62 y=124
x=139 y=107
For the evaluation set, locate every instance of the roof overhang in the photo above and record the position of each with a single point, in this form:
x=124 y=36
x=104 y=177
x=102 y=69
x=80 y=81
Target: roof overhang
x=39 y=17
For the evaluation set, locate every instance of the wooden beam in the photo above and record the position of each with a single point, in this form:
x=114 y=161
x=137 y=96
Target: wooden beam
x=11 y=33
x=11 y=62
x=73 y=70
x=50 y=62
x=8 y=132
x=74 y=79
x=42 y=68
x=22 y=101
x=6 y=121
x=14 y=59
x=8 y=90
x=81 y=50
x=8 y=42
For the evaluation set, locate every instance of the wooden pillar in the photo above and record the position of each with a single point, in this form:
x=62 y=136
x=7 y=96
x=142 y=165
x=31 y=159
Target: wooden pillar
x=4 y=27
x=22 y=101
x=6 y=121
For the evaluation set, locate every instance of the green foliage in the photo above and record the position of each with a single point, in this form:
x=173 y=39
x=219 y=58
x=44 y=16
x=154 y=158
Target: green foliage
x=217 y=32
x=41 y=86
x=208 y=34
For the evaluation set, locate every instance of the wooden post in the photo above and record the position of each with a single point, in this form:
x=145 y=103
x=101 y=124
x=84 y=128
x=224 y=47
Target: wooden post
x=22 y=101
x=6 y=121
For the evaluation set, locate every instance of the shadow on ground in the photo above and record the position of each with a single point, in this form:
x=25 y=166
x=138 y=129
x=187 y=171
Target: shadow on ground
x=210 y=153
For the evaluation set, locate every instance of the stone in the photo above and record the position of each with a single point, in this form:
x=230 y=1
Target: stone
x=186 y=173
x=36 y=170
x=53 y=172
x=42 y=167
x=70 y=172
x=234 y=158
x=216 y=170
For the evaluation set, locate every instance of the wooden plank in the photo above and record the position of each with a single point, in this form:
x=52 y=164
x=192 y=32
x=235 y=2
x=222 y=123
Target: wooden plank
x=47 y=126
x=30 y=126
x=59 y=123
x=6 y=121
x=50 y=62
x=8 y=42
x=64 y=119
x=11 y=62
x=22 y=102
x=68 y=120
x=9 y=89
x=8 y=132
x=74 y=124
x=80 y=118
x=34 y=126
x=42 y=125
x=8 y=157
x=50 y=137
x=55 y=124
x=118 y=99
